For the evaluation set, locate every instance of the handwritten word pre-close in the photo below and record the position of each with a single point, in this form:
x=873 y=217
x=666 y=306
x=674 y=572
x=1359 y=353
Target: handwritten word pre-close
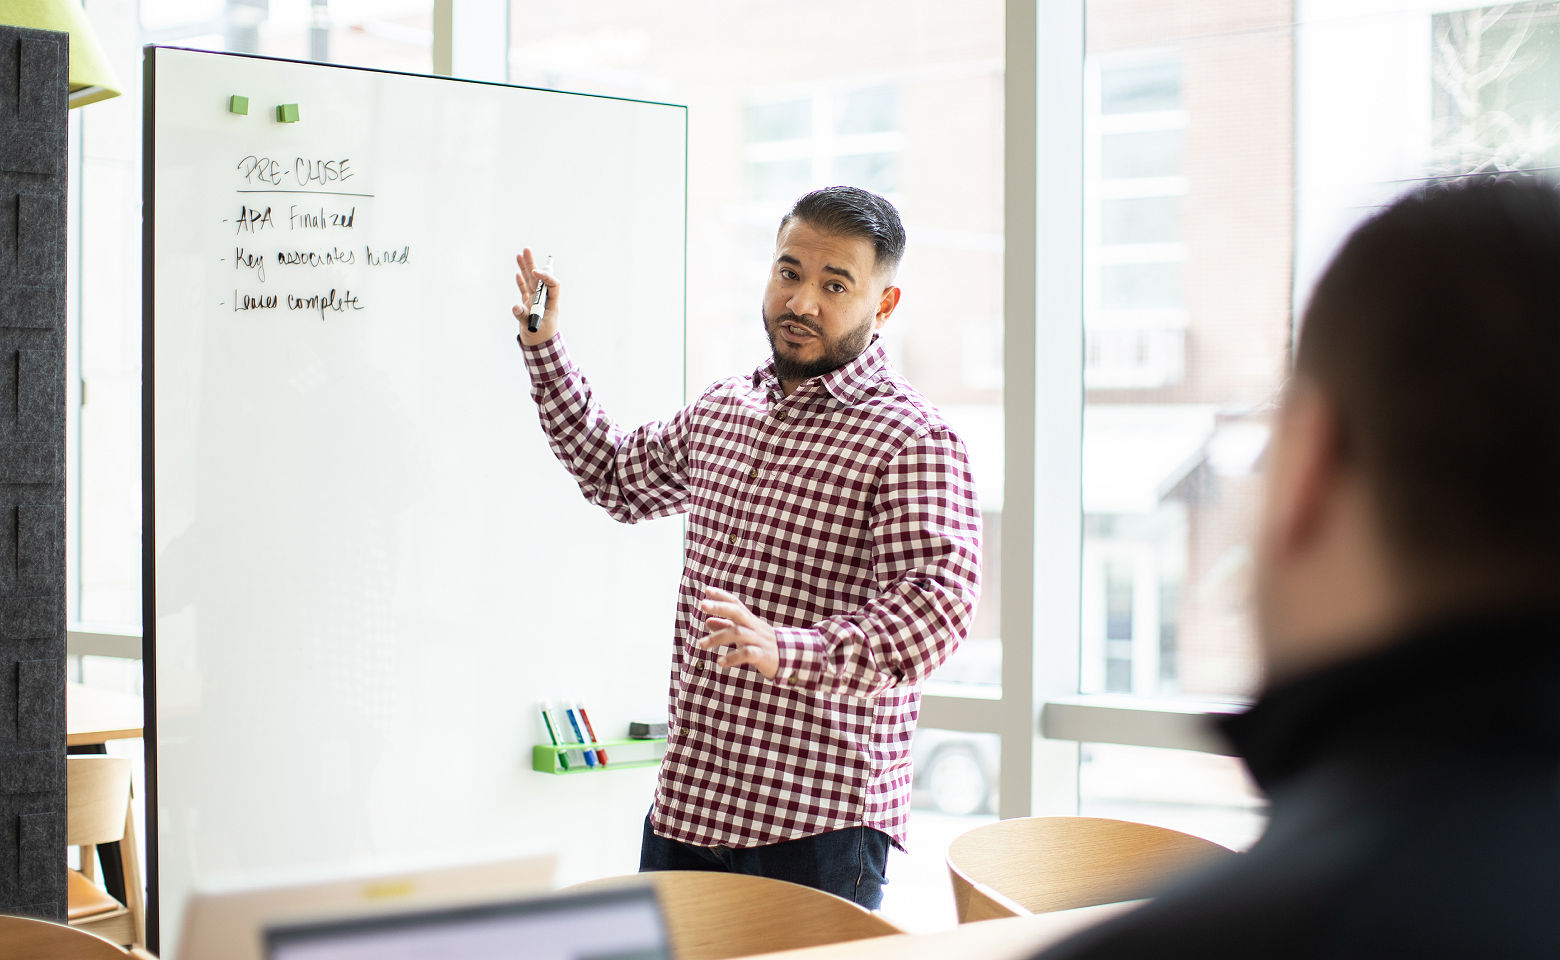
x=302 y=172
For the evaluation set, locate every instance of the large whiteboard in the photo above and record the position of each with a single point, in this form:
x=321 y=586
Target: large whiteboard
x=364 y=565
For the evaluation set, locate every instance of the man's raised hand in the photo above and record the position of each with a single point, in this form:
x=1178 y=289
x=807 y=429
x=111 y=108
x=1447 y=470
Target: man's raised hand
x=526 y=279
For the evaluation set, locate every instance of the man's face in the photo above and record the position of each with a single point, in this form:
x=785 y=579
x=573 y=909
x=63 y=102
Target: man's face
x=825 y=298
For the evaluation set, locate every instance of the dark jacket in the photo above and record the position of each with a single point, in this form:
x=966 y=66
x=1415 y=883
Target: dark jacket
x=1415 y=812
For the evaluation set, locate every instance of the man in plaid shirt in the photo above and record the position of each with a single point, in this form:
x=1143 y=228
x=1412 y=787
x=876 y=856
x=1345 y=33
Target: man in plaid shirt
x=832 y=561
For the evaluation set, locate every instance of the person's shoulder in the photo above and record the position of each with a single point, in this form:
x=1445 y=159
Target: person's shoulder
x=899 y=407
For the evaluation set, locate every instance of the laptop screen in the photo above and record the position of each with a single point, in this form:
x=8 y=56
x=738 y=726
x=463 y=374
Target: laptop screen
x=623 y=924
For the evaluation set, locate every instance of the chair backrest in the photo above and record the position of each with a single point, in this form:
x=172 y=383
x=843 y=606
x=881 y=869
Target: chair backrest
x=97 y=811
x=97 y=799
x=1040 y=864
x=714 y=915
x=25 y=937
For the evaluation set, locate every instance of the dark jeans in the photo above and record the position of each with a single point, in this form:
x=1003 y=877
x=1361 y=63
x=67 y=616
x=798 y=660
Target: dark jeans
x=850 y=863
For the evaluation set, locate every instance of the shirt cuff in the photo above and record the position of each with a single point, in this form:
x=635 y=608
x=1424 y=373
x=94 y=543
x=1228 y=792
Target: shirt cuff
x=547 y=360
x=800 y=655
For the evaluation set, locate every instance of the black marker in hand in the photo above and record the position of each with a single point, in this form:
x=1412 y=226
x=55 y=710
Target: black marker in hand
x=539 y=299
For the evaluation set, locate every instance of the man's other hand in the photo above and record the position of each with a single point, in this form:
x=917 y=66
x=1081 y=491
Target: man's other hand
x=733 y=625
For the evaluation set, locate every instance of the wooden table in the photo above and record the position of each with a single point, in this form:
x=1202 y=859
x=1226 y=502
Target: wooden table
x=1010 y=938
x=94 y=716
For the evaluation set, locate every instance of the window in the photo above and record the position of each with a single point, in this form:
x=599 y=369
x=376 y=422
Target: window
x=1228 y=148
x=831 y=136
x=1135 y=187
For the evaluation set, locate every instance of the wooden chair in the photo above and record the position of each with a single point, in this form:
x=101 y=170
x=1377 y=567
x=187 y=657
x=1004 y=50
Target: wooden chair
x=97 y=810
x=29 y=939
x=714 y=915
x=1039 y=864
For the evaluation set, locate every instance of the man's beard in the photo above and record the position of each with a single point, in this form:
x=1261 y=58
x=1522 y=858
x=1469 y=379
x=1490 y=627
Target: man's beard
x=835 y=355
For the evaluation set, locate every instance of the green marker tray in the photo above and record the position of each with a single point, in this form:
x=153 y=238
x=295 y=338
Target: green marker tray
x=545 y=756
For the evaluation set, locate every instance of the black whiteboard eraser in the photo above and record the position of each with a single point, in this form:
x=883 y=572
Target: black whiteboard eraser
x=639 y=730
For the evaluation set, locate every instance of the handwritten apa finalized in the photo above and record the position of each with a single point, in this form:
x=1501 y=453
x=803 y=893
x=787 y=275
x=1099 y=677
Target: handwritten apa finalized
x=297 y=230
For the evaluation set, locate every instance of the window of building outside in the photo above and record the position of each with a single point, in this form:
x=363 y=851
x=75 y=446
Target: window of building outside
x=1229 y=146
x=902 y=99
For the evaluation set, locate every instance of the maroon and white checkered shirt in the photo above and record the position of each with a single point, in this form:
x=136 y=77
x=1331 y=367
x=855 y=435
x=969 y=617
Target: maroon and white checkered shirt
x=844 y=516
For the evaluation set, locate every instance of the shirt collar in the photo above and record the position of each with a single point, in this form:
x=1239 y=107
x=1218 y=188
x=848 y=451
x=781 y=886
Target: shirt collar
x=1504 y=668
x=848 y=384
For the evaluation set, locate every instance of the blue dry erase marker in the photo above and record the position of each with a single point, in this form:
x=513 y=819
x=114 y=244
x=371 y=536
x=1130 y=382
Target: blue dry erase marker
x=563 y=758
x=562 y=726
x=579 y=734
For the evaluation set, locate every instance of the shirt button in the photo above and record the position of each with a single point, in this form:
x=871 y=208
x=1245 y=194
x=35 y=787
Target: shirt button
x=698 y=664
x=733 y=537
x=779 y=414
x=791 y=680
x=753 y=475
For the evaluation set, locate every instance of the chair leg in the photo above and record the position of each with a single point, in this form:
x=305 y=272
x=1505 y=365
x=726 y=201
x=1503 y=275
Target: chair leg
x=130 y=879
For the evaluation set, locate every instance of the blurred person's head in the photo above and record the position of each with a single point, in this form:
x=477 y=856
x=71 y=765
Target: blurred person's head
x=1415 y=469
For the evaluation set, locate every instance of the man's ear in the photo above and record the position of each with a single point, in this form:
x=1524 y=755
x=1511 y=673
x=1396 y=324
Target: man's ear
x=1307 y=467
x=886 y=305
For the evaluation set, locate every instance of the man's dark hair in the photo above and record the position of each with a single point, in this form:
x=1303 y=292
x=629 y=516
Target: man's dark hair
x=853 y=212
x=1436 y=331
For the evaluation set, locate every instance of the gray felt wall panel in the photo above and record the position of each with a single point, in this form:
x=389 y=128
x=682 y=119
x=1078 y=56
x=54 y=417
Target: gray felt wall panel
x=39 y=381
x=34 y=66
x=24 y=305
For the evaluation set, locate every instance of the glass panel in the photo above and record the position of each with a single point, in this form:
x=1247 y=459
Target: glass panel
x=1141 y=286
x=769 y=119
x=1142 y=220
x=1189 y=239
x=1496 y=71
x=1151 y=153
x=1229 y=148
x=1141 y=88
x=955 y=790
x=878 y=172
x=778 y=179
x=786 y=120
x=873 y=110
x=1196 y=793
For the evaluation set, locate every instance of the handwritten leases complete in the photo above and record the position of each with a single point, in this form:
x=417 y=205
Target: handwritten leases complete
x=286 y=239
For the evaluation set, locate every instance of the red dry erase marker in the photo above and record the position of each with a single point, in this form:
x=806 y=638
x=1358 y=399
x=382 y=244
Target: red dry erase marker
x=590 y=731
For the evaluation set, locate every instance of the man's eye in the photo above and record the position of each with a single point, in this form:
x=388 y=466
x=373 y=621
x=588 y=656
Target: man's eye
x=837 y=287
x=787 y=274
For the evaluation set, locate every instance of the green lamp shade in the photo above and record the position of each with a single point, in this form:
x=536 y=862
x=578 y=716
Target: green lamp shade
x=91 y=79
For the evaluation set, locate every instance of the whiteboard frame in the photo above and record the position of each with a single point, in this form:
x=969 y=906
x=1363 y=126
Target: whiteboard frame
x=148 y=411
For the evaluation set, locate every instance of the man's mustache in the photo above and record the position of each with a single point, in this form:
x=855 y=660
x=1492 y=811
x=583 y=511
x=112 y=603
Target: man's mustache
x=793 y=318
